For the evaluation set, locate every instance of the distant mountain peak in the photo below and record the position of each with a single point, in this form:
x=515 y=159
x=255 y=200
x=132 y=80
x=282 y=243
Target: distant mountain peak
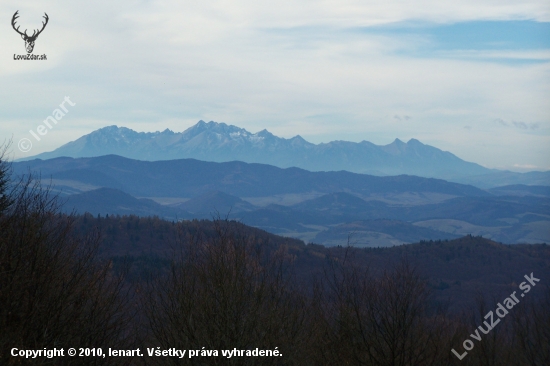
x=221 y=142
x=264 y=133
x=108 y=128
x=414 y=142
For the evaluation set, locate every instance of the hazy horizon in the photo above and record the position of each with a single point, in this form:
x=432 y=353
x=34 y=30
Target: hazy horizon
x=471 y=78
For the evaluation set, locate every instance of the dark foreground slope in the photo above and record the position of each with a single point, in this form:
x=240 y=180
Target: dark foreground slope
x=214 y=286
x=430 y=294
x=455 y=269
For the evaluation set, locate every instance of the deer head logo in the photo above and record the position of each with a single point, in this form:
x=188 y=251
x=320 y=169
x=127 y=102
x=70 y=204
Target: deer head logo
x=29 y=40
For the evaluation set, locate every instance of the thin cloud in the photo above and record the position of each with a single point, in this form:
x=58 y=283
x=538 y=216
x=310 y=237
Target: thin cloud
x=401 y=118
x=518 y=124
x=526 y=126
x=501 y=122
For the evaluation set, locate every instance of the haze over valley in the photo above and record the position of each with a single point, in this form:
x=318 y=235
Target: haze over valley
x=323 y=205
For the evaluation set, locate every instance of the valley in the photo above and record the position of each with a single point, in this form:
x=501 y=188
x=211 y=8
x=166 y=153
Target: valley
x=328 y=208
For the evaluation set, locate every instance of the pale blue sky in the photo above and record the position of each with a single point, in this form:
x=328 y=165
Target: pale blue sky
x=472 y=35
x=470 y=77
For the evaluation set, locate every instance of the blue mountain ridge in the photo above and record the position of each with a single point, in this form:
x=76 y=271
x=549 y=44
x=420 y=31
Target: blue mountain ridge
x=219 y=142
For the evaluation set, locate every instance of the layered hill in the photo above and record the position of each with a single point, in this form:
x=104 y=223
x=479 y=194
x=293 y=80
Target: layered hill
x=190 y=178
x=320 y=207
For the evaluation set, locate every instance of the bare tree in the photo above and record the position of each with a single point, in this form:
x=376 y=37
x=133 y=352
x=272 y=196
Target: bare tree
x=532 y=331
x=5 y=173
x=228 y=291
x=383 y=320
x=53 y=292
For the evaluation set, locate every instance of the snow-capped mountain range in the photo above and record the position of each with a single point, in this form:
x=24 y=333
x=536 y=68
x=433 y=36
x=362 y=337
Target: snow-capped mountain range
x=219 y=142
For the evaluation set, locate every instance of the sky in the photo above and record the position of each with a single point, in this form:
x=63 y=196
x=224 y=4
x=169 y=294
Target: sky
x=471 y=77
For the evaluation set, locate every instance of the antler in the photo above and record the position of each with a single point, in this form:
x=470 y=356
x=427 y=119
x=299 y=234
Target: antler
x=34 y=34
x=43 y=25
x=15 y=16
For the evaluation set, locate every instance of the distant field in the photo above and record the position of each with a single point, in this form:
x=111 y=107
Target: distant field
x=282 y=199
x=167 y=200
x=529 y=233
x=406 y=198
x=540 y=232
x=365 y=239
x=460 y=227
x=409 y=198
x=64 y=186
